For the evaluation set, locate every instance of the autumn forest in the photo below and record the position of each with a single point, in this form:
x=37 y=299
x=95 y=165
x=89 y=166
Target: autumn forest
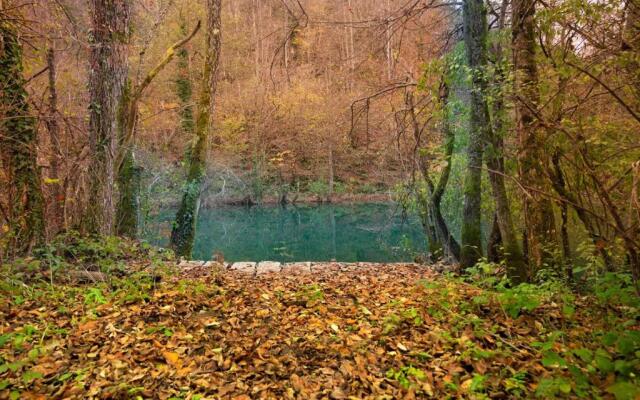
x=238 y=199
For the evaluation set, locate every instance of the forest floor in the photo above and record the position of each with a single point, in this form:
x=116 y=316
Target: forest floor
x=152 y=330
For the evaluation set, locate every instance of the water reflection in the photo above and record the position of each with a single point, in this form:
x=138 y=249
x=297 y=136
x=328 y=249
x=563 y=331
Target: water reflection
x=353 y=232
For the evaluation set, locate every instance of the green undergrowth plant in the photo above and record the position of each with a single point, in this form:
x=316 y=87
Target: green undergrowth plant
x=587 y=344
x=69 y=253
x=310 y=295
x=406 y=375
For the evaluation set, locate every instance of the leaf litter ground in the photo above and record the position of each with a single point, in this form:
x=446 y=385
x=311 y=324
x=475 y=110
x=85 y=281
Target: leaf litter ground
x=376 y=332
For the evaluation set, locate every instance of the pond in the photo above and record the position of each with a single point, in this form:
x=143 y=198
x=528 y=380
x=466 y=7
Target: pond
x=373 y=232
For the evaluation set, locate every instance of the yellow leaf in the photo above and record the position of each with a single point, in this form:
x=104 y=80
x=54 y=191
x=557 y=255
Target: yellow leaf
x=335 y=328
x=172 y=358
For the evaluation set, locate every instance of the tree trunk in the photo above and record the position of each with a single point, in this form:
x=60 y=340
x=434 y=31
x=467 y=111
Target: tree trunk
x=56 y=209
x=428 y=226
x=129 y=174
x=515 y=262
x=564 y=214
x=331 y=173
x=537 y=210
x=18 y=146
x=631 y=43
x=494 y=245
x=388 y=47
x=183 y=234
x=350 y=43
x=107 y=81
x=558 y=182
x=449 y=243
x=435 y=227
x=475 y=38
x=184 y=88
x=129 y=183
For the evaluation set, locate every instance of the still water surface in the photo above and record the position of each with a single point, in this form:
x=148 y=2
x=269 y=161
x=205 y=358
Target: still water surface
x=345 y=232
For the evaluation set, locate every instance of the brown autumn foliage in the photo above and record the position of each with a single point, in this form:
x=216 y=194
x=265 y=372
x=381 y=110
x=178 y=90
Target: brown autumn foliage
x=288 y=78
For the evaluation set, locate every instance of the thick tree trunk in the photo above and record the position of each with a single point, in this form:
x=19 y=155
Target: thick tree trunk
x=537 y=210
x=107 y=81
x=183 y=234
x=18 y=147
x=475 y=38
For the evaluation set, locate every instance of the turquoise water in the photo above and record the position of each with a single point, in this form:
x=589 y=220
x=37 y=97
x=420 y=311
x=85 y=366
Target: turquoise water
x=346 y=232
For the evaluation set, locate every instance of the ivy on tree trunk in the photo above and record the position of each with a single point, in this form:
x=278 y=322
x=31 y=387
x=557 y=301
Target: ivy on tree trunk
x=19 y=141
x=108 y=75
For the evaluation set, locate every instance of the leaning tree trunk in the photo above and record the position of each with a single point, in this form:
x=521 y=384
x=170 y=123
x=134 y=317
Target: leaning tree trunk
x=184 y=230
x=475 y=38
x=435 y=227
x=450 y=244
x=18 y=146
x=107 y=81
x=537 y=210
x=184 y=89
x=129 y=173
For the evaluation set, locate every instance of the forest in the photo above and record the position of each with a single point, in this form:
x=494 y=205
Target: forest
x=345 y=199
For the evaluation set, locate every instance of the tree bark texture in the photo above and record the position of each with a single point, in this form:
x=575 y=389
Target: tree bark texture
x=538 y=214
x=475 y=39
x=184 y=230
x=108 y=76
x=18 y=147
x=511 y=251
x=56 y=209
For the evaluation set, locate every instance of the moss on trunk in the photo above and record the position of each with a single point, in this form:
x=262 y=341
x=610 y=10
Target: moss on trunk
x=475 y=39
x=19 y=148
x=129 y=181
x=184 y=229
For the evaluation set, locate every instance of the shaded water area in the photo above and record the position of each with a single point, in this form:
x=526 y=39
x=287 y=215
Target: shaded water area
x=374 y=232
